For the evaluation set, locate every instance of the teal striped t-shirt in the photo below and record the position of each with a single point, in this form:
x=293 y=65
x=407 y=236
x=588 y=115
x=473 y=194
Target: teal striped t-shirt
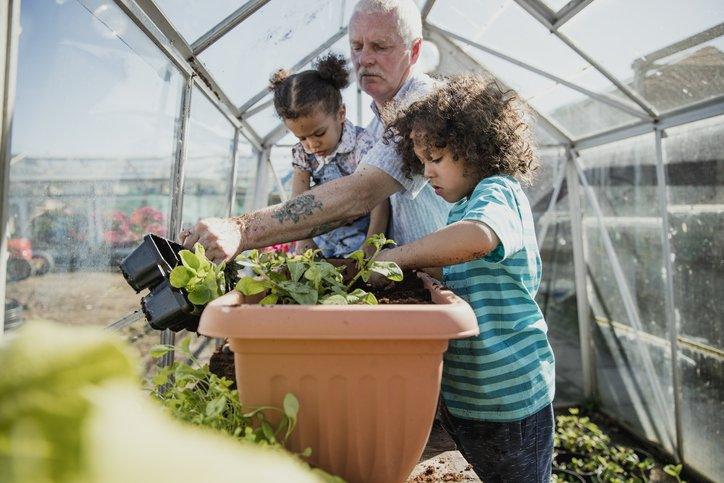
x=507 y=372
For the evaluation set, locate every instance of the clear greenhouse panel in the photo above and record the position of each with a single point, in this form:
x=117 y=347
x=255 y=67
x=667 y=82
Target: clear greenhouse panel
x=695 y=170
x=208 y=162
x=193 y=18
x=93 y=144
x=499 y=27
x=669 y=52
x=290 y=29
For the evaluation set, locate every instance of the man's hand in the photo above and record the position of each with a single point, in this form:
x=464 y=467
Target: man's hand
x=220 y=236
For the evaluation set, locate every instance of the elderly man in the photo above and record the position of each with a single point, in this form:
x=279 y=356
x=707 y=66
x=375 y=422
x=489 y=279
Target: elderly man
x=385 y=39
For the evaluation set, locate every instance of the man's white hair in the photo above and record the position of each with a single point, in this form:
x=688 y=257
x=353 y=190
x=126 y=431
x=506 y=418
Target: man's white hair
x=409 y=20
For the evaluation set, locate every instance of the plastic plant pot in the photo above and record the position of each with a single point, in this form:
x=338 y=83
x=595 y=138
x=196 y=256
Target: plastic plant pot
x=150 y=262
x=166 y=307
x=367 y=376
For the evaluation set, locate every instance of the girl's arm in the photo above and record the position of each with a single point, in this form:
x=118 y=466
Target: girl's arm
x=379 y=218
x=457 y=243
x=300 y=184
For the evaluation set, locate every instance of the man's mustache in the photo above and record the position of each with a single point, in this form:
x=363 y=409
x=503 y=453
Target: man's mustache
x=365 y=72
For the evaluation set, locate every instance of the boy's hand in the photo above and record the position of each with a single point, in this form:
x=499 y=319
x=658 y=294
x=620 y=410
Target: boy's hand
x=377 y=280
x=220 y=236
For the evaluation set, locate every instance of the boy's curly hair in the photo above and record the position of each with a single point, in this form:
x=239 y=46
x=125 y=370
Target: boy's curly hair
x=471 y=115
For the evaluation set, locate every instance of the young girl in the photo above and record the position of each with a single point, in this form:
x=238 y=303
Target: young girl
x=330 y=146
x=468 y=139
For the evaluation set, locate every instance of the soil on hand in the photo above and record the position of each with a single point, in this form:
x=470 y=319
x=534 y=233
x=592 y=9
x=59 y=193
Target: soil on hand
x=409 y=291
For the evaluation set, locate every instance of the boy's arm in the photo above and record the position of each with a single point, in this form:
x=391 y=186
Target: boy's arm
x=457 y=243
x=300 y=183
x=379 y=218
x=311 y=213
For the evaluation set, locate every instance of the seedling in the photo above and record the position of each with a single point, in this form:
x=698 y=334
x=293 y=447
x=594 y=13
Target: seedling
x=201 y=279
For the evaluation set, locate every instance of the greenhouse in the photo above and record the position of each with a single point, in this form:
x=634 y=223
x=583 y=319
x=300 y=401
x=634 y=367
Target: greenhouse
x=126 y=122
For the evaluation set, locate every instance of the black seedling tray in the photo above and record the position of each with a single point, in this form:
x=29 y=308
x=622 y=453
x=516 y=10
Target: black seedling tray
x=166 y=307
x=151 y=262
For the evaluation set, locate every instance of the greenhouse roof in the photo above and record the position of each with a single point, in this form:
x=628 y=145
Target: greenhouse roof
x=617 y=59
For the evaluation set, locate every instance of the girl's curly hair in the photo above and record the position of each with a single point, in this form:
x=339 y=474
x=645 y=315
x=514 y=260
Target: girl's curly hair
x=480 y=123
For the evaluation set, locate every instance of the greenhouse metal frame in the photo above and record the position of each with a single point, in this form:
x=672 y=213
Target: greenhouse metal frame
x=154 y=23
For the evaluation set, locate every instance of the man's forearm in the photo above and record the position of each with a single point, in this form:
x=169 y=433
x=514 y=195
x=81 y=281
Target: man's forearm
x=311 y=213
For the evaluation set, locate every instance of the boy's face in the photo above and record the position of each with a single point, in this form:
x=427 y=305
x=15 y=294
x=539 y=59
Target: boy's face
x=320 y=132
x=448 y=177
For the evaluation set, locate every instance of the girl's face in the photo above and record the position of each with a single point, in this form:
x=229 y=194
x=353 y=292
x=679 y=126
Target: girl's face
x=320 y=132
x=448 y=177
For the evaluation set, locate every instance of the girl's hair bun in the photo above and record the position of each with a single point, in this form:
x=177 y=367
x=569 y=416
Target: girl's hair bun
x=278 y=78
x=333 y=69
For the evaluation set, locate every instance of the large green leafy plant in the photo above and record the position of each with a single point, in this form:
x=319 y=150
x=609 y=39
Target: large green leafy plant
x=303 y=279
x=192 y=393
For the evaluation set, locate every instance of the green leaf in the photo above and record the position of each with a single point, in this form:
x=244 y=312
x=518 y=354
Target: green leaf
x=216 y=406
x=161 y=378
x=388 y=269
x=160 y=350
x=334 y=299
x=306 y=453
x=184 y=346
x=296 y=270
x=251 y=286
x=355 y=296
x=358 y=256
x=189 y=260
x=314 y=275
x=268 y=431
x=180 y=277
x=200 y=295
x=370 y=299
x=301 y=293
x=291 y=406
x=270 y=299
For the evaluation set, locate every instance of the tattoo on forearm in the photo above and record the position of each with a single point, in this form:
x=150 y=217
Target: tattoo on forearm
x=295 y=209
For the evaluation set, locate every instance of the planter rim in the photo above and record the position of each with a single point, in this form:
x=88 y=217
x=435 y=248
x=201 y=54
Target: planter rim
x=448 y=317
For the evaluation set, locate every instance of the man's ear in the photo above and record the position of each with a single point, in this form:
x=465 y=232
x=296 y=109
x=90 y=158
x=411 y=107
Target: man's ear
x=415 y=50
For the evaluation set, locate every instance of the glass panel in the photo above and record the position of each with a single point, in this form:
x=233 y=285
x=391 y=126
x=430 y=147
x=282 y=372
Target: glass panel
x=241 y=60
x=577 y=114
x=514 y=32
x=265 y=121
x=92 y=151
x=667 y=51
x=193 y=18
x=281 y=159
x=208 y=161
x=246 y=160
x=631 y=362
x=557 y=294
x=695 y=177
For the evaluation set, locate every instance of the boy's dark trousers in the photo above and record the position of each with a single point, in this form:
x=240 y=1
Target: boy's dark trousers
x=506 y=452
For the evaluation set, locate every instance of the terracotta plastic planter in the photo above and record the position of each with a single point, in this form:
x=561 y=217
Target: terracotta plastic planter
x=367 y=377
